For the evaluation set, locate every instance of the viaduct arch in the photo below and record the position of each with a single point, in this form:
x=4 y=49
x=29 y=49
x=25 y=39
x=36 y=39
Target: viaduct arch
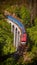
x=17 y=28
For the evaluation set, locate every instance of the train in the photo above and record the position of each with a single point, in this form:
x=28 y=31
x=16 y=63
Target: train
x=23 y=38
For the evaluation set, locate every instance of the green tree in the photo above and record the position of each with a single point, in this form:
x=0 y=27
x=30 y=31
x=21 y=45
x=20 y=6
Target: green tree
x=25 y=15
x=6 y=38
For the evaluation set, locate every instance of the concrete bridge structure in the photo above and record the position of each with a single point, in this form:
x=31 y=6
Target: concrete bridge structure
x=17 y=28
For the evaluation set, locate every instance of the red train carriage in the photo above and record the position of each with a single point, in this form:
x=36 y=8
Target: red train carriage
x=23 y=38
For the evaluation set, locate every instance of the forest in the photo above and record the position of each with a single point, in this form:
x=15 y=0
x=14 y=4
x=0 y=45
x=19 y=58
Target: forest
x=7 y=49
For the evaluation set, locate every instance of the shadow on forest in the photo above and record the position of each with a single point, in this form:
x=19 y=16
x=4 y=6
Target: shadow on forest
x=15 y=55
x=31 y=43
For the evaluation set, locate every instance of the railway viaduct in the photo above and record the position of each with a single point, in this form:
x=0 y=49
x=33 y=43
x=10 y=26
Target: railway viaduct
x=17 y=28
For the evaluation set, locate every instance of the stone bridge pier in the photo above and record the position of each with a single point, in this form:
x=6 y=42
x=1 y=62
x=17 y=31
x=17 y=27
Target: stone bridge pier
x=17 y=32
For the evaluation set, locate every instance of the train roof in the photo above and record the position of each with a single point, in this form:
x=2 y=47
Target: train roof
x=17 y=22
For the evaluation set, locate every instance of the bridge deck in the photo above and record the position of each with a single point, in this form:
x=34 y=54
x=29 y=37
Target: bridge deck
x=17 y=22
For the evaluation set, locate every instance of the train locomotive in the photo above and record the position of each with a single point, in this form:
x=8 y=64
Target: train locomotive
x=23 y=37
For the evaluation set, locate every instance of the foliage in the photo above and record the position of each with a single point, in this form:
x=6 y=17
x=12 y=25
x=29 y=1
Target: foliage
x=17 y=11
x=22 y=12
x=36 y=21
x=25 y=15
x=33 y=41
x=6 y=38
x=9 y=61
